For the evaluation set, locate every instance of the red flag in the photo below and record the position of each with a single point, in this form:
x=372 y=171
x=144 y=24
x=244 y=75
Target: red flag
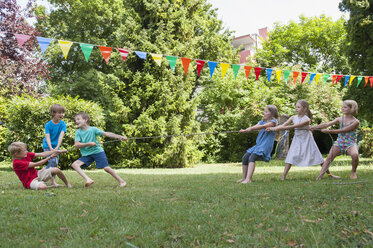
x=123 y=52
x=106 y=52
x=304 y=75
x=338 y=77
x=295 y=76
x=371 y=82
x=247 y=71
x=186 y=62
x=200 y=64
x=257 y=72
x=366 y=80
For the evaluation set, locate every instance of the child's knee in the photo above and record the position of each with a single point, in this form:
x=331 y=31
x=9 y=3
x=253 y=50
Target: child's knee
x=355 y=156
x=76 y=164
x=55 y=171
x=107 y=169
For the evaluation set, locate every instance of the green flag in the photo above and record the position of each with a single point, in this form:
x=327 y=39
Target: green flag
x=359 y=81
x=86 y=49
x=286 y=75
x=235 y=68
x=326 y=76
x=172 y=61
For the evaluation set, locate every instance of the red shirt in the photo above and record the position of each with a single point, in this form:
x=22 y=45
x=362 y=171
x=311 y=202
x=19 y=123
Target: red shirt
x=25 y=174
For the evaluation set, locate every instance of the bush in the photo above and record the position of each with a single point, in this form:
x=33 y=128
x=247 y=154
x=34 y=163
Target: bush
x=27 y=117
x=366 y=145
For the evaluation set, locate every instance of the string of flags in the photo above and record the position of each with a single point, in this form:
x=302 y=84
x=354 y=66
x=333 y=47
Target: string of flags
x=106 y=53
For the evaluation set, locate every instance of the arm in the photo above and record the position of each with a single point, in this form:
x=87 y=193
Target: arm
x=349 y=128
x=258 y=127
x=60 y=140
x=301 y=124
x=49 y=153
x=114 y=136
x=283 y=126
x=41 y=162
x=325 y=125
x=48 y=139
x=79 y=145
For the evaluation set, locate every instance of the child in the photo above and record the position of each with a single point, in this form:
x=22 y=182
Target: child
x=86 y=141
x=54 y=132
x=347 y=136
x=25 y=168
x=264 y=143
x=303 y=149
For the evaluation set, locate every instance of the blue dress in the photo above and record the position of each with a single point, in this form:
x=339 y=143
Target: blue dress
x=264 y=142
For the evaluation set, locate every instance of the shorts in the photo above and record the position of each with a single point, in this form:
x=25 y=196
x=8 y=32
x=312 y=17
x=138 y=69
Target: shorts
x=43 y=176
x=344 y=145
x=100 y=159
x=53 y=162
x=249 y=158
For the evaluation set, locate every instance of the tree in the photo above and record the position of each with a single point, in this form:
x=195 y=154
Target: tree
x=359 y=50
x=20 y=70
x=140 y=98
x=314 y=43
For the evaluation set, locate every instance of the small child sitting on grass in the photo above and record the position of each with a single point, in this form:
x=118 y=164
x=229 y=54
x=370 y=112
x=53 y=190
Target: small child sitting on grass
x=25 y=168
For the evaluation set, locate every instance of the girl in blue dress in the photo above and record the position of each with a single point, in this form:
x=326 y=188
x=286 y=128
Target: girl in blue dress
x=264 y=143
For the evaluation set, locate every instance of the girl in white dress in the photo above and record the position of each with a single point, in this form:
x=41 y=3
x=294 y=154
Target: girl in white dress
x=303 y=149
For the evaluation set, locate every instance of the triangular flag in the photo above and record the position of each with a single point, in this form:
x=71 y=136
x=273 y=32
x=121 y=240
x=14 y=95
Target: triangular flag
x=247 y=71
x=224 y=68
x=106 y=52
x=185 y=62
x=123 y=53
x=212 y=66
x=334 y=77
x=371 y=82
x=366 y=80
x=359 y=81
x=43 y=43
x=326 y=76
x=312 y=75
x=286 y=75
x=236 y=68
x=257 y=72
x=318 y=75
x=157 y=58
x=304 y=75
x=172 y=61
x=347 y=77
x=86 y=49
x=351 y=79
x=338 y=77
x=295 y=76
x=200 y=64
x=22 y=38
x=65 y=47
x=269 y=74
x=142 y=55
x=278 y=75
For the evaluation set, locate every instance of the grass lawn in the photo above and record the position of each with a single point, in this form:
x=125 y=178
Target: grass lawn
x=193 y=207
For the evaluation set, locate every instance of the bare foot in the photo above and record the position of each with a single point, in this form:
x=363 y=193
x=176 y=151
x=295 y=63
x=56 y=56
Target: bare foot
x=353 y=175
x=282 y=178
x=55 y=185
x=122 y=185
x=319 y=177
x=240 y=181
x=88 y=183
x=333 y=176
x=246 y=181
x=69 y=185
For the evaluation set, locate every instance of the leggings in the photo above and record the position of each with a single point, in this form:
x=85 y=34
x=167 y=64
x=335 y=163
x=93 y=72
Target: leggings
x=249 y=158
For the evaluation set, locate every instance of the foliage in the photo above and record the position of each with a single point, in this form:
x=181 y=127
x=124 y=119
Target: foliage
x=21 y=70
x=313 y=43
x=359 y=51
x=27 y=117
x=366 y=145
x=192 y=207
x=237 y=104
x=139 y=97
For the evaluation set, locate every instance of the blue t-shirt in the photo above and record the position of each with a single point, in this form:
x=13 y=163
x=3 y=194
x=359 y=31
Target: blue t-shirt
x=264 y=142
x=89 y=135
x=54 y=131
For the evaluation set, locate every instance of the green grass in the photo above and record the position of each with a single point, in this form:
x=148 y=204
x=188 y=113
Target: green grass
x=192 y=207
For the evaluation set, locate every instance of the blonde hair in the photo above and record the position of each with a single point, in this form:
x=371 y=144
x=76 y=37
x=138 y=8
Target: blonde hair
x=84 y=116
x=273 y=110
x=16 y=147
x=306 y=105
x=57 y=108
x=352 y=105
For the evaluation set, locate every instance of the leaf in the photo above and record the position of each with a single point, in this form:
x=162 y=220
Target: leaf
x=129 y=237
x=291 y=242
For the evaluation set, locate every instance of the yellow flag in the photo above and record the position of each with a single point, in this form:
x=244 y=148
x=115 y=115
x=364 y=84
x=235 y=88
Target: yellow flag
x=318 y=75
x=278 y=75
x=157 y=58
x=224 y=68
x=65 y=47
x=351 y=79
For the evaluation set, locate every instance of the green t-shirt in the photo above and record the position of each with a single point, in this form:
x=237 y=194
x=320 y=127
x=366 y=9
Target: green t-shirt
x=89 y=135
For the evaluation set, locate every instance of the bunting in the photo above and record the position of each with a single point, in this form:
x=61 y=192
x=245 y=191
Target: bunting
x=106 y=52
x=257 y=72
x=359 y=81
x=224 y=68
x=295 y=76
x=123 y=53
x=212 y=66
x=172 y=61
x=278 y=75
x=247 y=71
x=286 y=76
x=235 y=68
x=200 y=64
x=366 y=81
x=312 y=75
x=334 y=77
x=86 y=49
x=351 y=79
x=185 y=62
x=43 y=43
x=318 y=75
x=22 y=38
x=338 y=77
x=347 y=78
x=269 y=74
x=65 y=47
x=326 y=76
x=371 y=82
x=304 y=75
x=141 y=55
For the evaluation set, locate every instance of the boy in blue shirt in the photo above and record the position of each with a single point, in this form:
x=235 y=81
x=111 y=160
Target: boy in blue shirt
x=54 y=132
x=91 y=150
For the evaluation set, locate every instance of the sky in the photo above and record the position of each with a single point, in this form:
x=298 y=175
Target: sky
x=247 y=16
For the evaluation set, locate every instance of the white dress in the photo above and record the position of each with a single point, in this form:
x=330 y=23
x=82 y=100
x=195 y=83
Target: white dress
x=303 y=150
